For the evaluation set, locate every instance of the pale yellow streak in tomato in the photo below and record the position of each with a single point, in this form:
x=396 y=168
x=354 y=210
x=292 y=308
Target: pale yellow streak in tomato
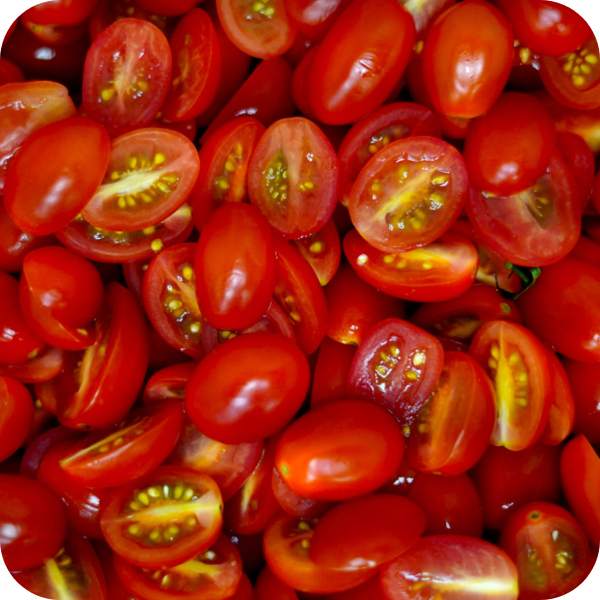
x=476 y=587
x=196 y=567
x=132 y=183
x=420 y=256
x=414 y=192
x=59 y=584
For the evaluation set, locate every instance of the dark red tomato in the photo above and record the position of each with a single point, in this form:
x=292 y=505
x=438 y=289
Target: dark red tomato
x=586 y=250
x=546 y=28
x=300 y=295
x=355 y=306
x=366 y=532
x=235 y=267
x=372 y=133
x=397 y=366
x=507 y=480
x=169 y=291
x=32 y=521
x=509 y=148
x=580 y=160
x=196 y=67
x=561 y=309
x=150 y=174
x=265 y=95
x=16 y=415
x=166 y=518
x=314 y=19
x=453 y=429
x=75 y=565
x=300 y=82
x=451 y=565
x=214 y=573
x=114 y=587
x=409 y=193
x=56 y=35
x=535 y=227
x=371 y=589
x=584 y=382
x=99 y=385
x=18 y=342
x=360 y=61
x=286 y=544
x=74 y=152
x=224 y=159
x=169 y=382
x=129 y=450
x=425 y=13
x=517 y=363
x=229 y=465
x=268 y=587
x=10 y=72
x=451 y=504
x=111 y=246
x=60 y=12
x=257 y=383
x=293 y=177
x=549 y=548
x=126 y=75
x=173 y=9
x=467 y=58
x=574 y=79
x=43 y=367
x=438 y=271
x=60 y=294
x=359 y=446
x=460 y=318
x=293 y=504
x=580 y=476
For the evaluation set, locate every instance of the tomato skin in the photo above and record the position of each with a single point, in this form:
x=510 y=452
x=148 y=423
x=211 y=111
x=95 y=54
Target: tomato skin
x=173 y=9
x=467 y=58
x=509 y=148
x=580 y=160
x=33 y=522
x=353 y=75
x=257 y=382
x=358 y=444
x=60 y=12
x=16 y=415
x=48 y=202
x=268 y=587
x=45 y=366
x=235 y=267
x=293 y=504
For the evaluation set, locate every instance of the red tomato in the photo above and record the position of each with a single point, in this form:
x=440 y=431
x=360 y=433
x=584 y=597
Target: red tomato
x=451 y=564
x=257 y=382
x=584 y=382
x=75 y=153
x=409 y=194
x=293 y=504
x=60 y=12
x=314 y=19
x=366 y=532
x=425 y=13
x=268 y=587
x=467 y=58
x=549 y=548
x=43 y=367
x=16 y=415
x=235 y=267
x=172 y=9
x=56 y=35
x=126 y=75
x=360 y=61
x=396 y=366
x=359 y=446
x=169 y=382
x=580 y=160
x=32 y=521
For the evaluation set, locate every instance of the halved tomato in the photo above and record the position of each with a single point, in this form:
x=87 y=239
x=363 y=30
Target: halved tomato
x=169 y=382
x=43 y=367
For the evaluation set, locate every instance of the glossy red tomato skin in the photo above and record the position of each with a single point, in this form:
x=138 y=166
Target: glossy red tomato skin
x=412 y=364
x=268 y=587
x=60 y=12
x=366 y=532
x=549 y=531
x=257 y=381
x=360 y=61
x=173 y=9
x=584 y=383
x=580 y=160
x=125 y=46
x=46 y=203
x=33 y=522
x=450 y=560
x=235 y=267
x=295 y=505
x=509 y=148
x=467 y=58
x=168 y=382
x=580 y=475
x=358 y=444
x=16 y=415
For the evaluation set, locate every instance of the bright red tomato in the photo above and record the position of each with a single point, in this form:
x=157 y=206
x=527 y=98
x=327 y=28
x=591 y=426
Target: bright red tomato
x=16 y=415
x=60 y=12
x=295 y=505
x=580 y=160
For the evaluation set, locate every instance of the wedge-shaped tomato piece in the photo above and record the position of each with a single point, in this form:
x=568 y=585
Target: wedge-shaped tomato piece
x=16 y=415
x=129 y=450
x=409 y=193
x=213 y=573
x=126 y=75
x=517 y=364
x=451 y=565
x=165 y=518
x=150 y=174
x=438 y=271
x=454 y=427
x=169 y=382
x=396 y=366
x=43 y=367
x=286 y=544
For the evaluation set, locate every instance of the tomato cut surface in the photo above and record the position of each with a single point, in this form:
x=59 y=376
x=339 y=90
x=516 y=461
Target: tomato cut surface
x=409 y=193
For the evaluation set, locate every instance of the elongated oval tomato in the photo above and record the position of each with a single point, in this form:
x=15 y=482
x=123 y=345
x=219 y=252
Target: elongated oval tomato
x=150 y=174
x=396 y=366
x=51 y=199
x=409 y=193
x=126 y=75
x=293 y=177
x=16 y=415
